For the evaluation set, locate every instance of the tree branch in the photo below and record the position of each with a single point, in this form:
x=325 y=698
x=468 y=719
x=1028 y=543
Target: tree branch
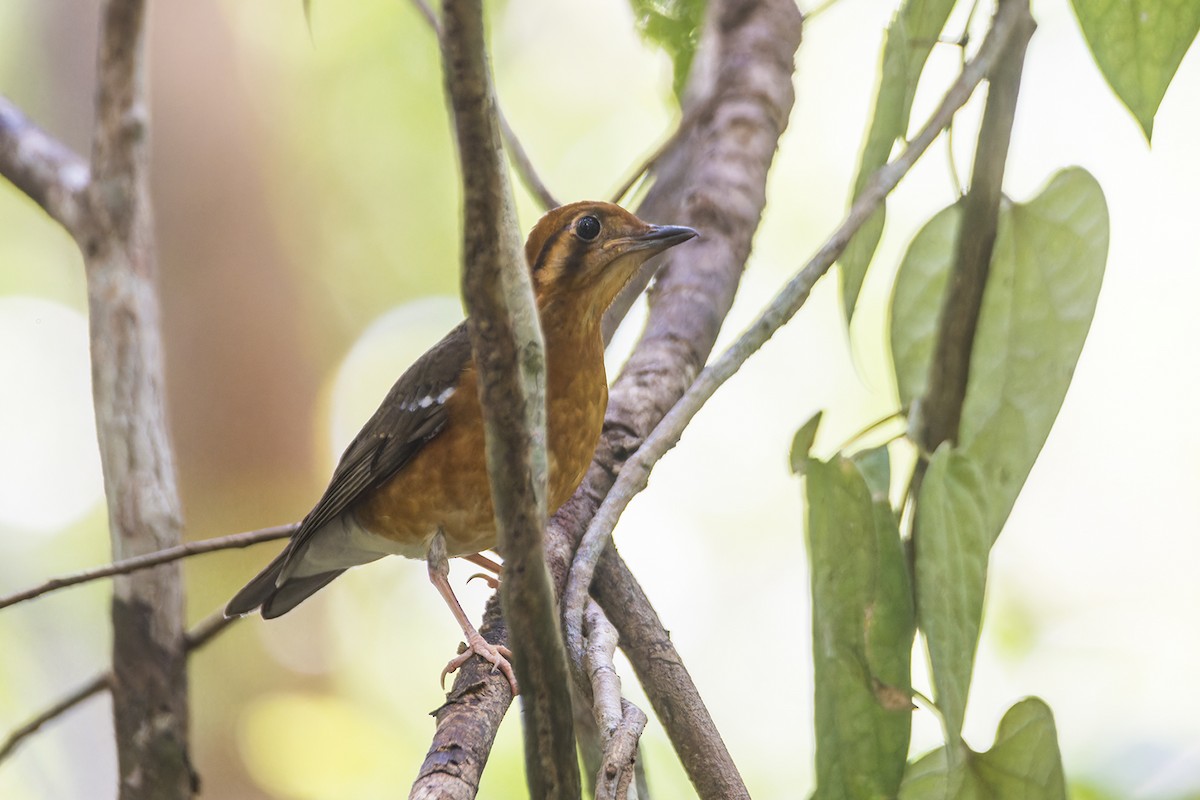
x=466 y=723
x=148 y=560
x=149 y=653
x=46 y=170
x=510 y=362
x=196 y=638
x=97 y=684
x=620 y=722
x=941 y=408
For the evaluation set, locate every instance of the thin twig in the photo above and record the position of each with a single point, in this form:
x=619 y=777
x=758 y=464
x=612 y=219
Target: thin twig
x=204 y=632
x=686 y=123
x=427 y=12
x=620 y=722
x=45 y=169
x=98 y=683
x=136 y=563
x=524 y=165
x=636 y=471
x=521 y=161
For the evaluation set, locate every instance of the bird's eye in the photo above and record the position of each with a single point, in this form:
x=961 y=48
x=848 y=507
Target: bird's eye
x=587 y=228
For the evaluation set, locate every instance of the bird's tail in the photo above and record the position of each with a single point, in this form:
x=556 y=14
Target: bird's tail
x=276 y=598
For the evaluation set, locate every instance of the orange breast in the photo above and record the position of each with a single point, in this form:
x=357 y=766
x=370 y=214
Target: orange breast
x=445 y=486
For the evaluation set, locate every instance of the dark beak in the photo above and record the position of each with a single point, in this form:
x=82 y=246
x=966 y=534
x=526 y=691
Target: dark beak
x=660 y=237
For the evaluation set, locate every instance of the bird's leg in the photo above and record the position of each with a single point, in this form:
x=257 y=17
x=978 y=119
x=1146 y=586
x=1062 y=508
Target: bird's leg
x=480 y=560
x=496 y=655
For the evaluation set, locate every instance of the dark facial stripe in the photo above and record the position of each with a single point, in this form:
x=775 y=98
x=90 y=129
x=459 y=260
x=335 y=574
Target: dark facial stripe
x=575 y=249
x=575 y=259
x=547 y=247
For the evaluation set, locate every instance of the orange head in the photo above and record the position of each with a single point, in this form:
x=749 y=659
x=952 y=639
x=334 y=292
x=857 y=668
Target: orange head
x=590 y=250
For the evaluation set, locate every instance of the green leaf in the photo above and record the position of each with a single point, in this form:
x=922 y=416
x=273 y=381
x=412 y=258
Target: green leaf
x=1045 y=277
x=1138 y=45
x=917 y=302
x=673 y=25
x=802 y=444
x=1041 y=295
x=862 y=635
x=876 y=467
x=1023 y=764
x=910 y=37
x=951 y=568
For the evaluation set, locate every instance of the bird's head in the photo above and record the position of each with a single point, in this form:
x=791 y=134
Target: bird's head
x=590 y=250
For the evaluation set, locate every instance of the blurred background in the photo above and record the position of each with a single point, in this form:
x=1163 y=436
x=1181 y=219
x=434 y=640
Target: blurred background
x=307 y=210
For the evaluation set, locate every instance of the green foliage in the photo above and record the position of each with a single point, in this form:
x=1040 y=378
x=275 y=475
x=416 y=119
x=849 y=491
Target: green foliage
x=951 y=570
x=910 y=38
x=1138 y=45
x=1045 y=277
x=802 y=444
x=1023 y=764
x=673 y=25
x=862 y=634
x=917 y=301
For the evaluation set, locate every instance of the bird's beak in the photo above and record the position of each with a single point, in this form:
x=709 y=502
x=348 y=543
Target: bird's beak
x=657 y=239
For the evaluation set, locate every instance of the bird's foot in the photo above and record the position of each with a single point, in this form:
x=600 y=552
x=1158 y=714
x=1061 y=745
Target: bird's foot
x=496 y=655
x=492 y=581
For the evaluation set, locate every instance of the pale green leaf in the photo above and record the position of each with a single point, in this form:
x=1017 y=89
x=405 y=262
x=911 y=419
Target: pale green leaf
x=1023 y=764
x=876 y=467
x=1138 y=45
x=802 y=444
x=1041 y=295
x=862 y=635
x=917 y=302
x=951 y=567
x=1045 y=277
x=910 y=37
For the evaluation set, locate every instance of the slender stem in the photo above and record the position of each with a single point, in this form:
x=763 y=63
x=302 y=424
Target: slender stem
x=136 y=563
x=516 y=151
x=204 y=632
x=98 y=683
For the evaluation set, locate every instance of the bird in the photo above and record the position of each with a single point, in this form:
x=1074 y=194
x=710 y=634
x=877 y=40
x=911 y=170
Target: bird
x=414 y=481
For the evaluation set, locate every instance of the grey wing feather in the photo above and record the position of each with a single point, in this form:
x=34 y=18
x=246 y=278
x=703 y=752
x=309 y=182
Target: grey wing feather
x=401 y=426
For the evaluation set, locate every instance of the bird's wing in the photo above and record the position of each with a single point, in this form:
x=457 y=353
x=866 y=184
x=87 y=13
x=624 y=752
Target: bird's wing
x=413 y=412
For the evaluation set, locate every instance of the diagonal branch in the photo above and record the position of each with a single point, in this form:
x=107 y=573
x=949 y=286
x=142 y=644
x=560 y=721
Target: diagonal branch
x=137 y=563
x=197 y=637
x=509 y=357
x=43 y=168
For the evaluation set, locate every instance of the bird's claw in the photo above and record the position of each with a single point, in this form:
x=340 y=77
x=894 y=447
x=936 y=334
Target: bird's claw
x=492 y=581
x=494 y=654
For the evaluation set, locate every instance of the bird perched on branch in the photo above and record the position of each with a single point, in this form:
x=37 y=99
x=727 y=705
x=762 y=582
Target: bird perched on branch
x=414 y=481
